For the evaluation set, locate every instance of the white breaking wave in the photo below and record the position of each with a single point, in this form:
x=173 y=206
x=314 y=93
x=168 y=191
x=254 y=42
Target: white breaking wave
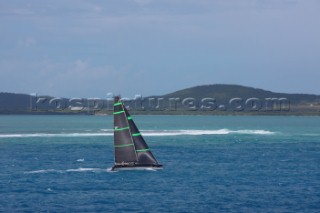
x=204 y=132
x=44 y=171
x=46 y=135
x=67 y=170
x=86 y=170
x=108 y=132
x=41 y=171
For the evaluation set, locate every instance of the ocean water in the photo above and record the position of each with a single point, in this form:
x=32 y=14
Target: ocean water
x=211 y=164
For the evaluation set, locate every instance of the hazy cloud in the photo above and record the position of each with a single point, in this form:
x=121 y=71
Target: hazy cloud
x=95 y=46
x=27 y=42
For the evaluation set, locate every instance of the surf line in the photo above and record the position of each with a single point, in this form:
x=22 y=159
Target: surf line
x=150 y=133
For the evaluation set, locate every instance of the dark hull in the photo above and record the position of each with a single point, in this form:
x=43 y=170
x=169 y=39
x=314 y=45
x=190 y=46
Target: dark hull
x=136 y=167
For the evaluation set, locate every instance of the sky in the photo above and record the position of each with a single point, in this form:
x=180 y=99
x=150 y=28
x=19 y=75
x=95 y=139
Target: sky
x=70 y=48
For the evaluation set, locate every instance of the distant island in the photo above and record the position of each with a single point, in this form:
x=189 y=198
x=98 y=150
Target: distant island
x=216 y=99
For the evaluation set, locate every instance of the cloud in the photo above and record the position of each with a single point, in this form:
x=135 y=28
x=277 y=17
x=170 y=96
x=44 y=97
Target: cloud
x=143 y=2
x=94 y=45
x=80 y=77
x=22 y=11
x=27 y=42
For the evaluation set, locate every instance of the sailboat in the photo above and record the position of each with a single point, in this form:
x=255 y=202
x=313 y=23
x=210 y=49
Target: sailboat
x=131 y=152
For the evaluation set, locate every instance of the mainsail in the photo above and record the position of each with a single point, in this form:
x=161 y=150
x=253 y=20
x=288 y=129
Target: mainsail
x=130 y=148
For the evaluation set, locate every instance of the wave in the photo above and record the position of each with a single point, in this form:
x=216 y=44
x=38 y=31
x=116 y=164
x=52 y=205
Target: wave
x=33 y=135
x=205 y=132
x=199 y=132
x=44 y=171
x=67 y=170
x=108 y=132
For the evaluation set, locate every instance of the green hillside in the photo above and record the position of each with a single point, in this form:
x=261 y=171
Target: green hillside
x=206 y=99
x=11 y=102
x=230 y=99
x=226 y=92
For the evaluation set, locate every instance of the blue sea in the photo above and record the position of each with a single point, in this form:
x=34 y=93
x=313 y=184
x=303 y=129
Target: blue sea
x=211 y=164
